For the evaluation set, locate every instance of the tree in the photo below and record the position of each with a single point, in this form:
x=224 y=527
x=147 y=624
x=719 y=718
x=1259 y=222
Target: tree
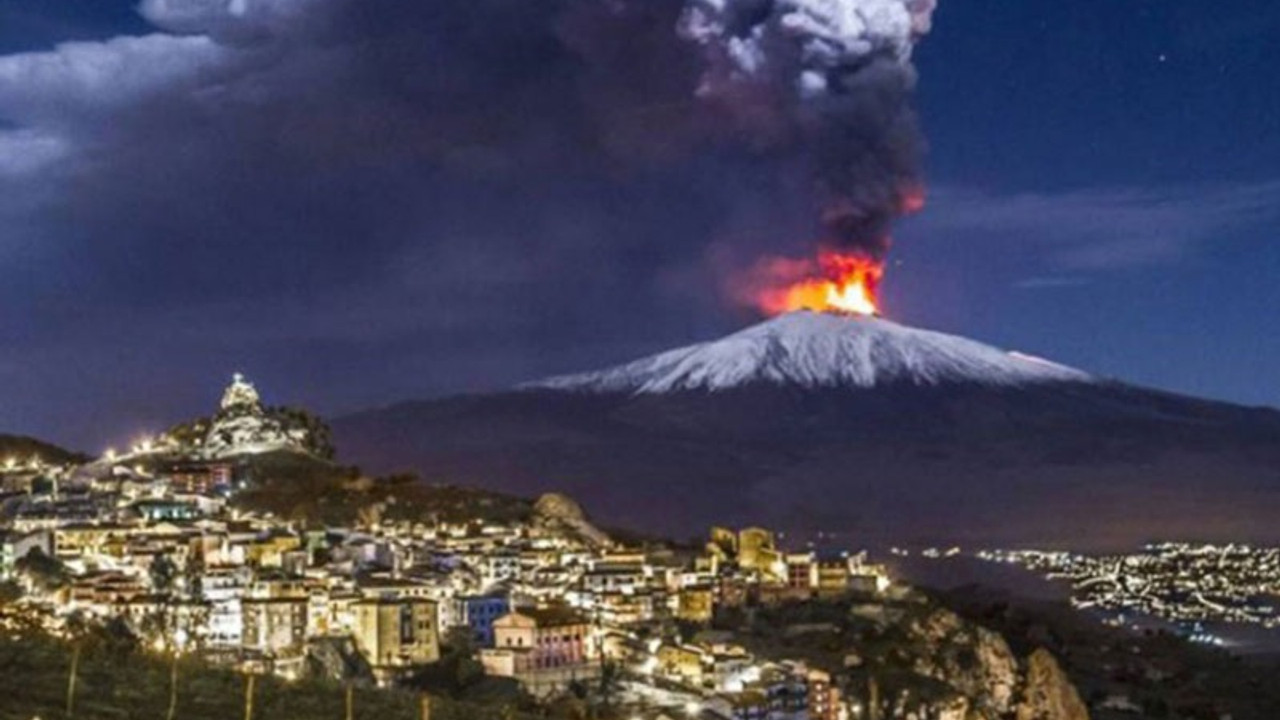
x=114 y=638
x=610 y=684
x=9 y=592
x=568 y=706
x=193 y=574
x=460 y=640
x=457 y=669
x=44 y=572
x=163 y=573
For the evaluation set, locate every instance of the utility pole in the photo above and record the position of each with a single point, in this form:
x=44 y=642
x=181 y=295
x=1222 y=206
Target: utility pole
x=250 y=679
x=873 y=699
x=71 y=681
x=173 y=688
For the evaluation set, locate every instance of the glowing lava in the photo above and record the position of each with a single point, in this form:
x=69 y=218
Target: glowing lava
x=835 y=282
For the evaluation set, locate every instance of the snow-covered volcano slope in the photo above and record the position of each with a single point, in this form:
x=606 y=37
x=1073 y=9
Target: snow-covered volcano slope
x=821 y=350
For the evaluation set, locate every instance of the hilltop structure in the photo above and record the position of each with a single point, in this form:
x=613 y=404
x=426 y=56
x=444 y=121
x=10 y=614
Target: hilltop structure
x=243 y=425
x=241 y=394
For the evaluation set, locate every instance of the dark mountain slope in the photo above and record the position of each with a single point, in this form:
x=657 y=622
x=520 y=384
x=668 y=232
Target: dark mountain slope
x=941 y=445
x=23 y=449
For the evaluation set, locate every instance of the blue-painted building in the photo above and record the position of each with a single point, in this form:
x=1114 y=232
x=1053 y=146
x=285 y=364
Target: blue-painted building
x=480 y=612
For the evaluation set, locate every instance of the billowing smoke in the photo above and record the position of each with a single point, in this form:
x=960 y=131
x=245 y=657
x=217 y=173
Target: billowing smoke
x=835 y=77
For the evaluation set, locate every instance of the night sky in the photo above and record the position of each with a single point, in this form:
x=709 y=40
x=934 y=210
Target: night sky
x=362 y=201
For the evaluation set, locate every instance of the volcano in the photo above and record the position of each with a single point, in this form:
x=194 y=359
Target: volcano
x=820 y=350
x=859 y=427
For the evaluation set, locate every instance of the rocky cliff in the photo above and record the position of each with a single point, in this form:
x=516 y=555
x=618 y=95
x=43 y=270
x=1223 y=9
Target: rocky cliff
x=1047 y=693
x=991 y=681
x=902 y=655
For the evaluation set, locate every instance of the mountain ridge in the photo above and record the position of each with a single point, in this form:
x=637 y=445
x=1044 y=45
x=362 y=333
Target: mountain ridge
x=22 y=448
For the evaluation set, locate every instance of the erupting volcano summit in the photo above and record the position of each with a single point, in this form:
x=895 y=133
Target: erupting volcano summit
x=821 y=350
x=837 y=282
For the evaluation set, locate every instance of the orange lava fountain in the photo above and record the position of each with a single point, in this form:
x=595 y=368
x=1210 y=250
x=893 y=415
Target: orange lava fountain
x=835 y=282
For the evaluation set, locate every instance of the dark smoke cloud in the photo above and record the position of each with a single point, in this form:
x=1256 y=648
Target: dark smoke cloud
x=834 y=77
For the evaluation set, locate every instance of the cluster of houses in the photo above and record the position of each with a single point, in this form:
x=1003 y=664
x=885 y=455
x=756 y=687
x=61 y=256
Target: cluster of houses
x=540 y=600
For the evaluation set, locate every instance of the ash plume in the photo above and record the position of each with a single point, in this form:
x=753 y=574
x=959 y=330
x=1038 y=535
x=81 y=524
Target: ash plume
x=834 y=77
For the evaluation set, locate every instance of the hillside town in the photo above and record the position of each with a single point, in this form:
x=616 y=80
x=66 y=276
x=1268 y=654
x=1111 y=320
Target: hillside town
x=152 y=539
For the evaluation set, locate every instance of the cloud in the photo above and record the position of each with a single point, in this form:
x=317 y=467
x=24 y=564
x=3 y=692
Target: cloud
x=25 y=151
x=1098 y=230
x=229 y=21
x=271 y=147
x=1051 y=282
x=352 y=187
x=84 y=82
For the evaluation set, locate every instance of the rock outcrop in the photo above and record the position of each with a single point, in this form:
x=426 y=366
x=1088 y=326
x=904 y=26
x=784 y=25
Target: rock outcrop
x=1047 y=692
x=993 y=682
x=904 y=655
x=973 y=660
x=565 y=512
